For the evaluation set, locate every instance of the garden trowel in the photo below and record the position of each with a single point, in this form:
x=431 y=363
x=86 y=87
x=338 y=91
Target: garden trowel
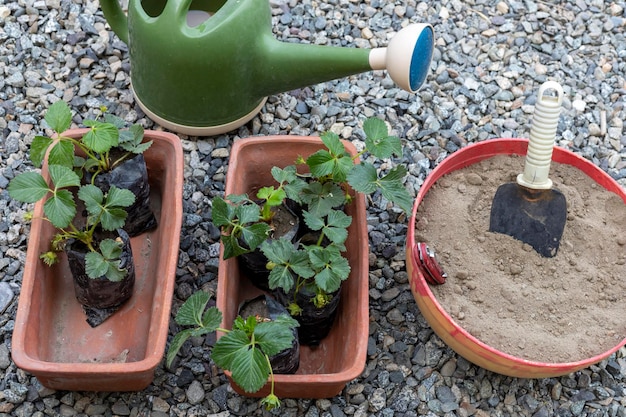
x=530 y=210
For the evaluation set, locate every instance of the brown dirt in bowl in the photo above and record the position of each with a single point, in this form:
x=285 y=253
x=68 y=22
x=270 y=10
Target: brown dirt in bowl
x=561 y=309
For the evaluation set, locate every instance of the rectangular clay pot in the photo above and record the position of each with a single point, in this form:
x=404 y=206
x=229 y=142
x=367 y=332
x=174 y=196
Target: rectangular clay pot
x=324 y=371
x=51 y=338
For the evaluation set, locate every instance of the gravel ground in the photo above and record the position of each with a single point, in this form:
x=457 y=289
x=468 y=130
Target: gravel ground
x=490 y=59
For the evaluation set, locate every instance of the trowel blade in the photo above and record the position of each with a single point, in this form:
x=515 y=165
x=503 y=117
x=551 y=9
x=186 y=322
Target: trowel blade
x=533 y=217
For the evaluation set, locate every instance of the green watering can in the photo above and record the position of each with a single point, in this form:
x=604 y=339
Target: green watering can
x=204 y=68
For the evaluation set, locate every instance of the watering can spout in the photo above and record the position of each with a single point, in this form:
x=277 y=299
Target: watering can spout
x=214 y=75
x=285 y=66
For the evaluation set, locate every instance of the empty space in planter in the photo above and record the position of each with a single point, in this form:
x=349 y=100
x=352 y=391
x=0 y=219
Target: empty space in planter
x=63 y=333
x=56 y=330
x=340 y=357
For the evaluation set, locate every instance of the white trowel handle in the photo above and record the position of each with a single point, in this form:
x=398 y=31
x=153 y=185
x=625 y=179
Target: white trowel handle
x=542 y=137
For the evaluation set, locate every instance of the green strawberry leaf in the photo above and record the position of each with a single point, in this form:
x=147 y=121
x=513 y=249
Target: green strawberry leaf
x=111 y=249
x=28 y=187
x=60 y=209
x=273 y=337
x=63 y=176
x=119 y=197
x=377 y=140
x=190 y=313
x=93 y=198
x=101 y=137
x=38 y=149
x=247 y=363
x=59 y=116
x=62 y=153
x=96 y=265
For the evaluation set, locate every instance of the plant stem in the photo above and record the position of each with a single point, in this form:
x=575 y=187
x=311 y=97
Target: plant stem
x=320 y=239
x=120 y=160
x=271 y=375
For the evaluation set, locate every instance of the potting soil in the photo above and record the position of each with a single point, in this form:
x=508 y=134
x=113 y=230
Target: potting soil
x=561 y=309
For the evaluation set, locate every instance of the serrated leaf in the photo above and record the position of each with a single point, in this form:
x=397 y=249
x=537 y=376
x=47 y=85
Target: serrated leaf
x=321 y=198
x=329 y=279
x=333 y=143
x=255 y=234
x=38 y=149
x=248 y=365
x=312 y=221
x=375 y=128
x=177 y=342
x=190 y=313
x=377 y=140
x=114 y=120
x=273 y=197
x=280 y=277
x=331 y=267
x=110 y=249
x=131 y=140
x=393 y=190
x=273 y=337
x=62 y=153
x=96 y=265
x=237 y=198
x=60 y=209
x=336 y=229
x=287 y=260
x=248 y=213
x=28 y=187
x=294 y=189
x=93 y=198
x=120 y=197
x=113 y=218
x=284 y=175
x=63 y=176
x=101 y=137
x=142 y=147
x=337 y=218
x=232 y=248
x=211 y=319
x=278 y=251
x=114 y=273
x=221 y=212
x=363 y=178
x=59 y=116
x=320 y=163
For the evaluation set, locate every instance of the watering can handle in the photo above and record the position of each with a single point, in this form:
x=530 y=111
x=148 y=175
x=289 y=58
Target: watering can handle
x=116 y=18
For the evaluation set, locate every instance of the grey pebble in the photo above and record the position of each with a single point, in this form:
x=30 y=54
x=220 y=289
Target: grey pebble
x=487 y=66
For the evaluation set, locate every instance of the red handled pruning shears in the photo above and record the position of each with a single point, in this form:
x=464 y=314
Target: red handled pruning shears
x=426 y=261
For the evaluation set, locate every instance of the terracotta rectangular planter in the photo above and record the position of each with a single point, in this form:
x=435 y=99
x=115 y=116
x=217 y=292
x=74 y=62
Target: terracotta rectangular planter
x=324 y=371
x=52 y=340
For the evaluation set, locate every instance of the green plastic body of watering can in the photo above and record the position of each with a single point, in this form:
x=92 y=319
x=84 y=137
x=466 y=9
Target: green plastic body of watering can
x=213 y=76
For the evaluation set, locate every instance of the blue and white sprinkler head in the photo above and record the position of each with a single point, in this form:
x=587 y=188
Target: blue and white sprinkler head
x=407 y=57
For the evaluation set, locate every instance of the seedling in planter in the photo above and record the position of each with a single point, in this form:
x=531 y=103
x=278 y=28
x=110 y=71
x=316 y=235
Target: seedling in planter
x=105 y=211
x=246 y=223
x=245 y=350
x=96 y=144
x=324 y=188
x=322 y=193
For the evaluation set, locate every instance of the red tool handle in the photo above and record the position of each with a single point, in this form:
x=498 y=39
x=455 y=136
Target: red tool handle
x=427 y=262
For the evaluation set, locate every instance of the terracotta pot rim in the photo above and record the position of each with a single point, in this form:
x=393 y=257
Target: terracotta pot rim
x=135 y=372
x=320 y=383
